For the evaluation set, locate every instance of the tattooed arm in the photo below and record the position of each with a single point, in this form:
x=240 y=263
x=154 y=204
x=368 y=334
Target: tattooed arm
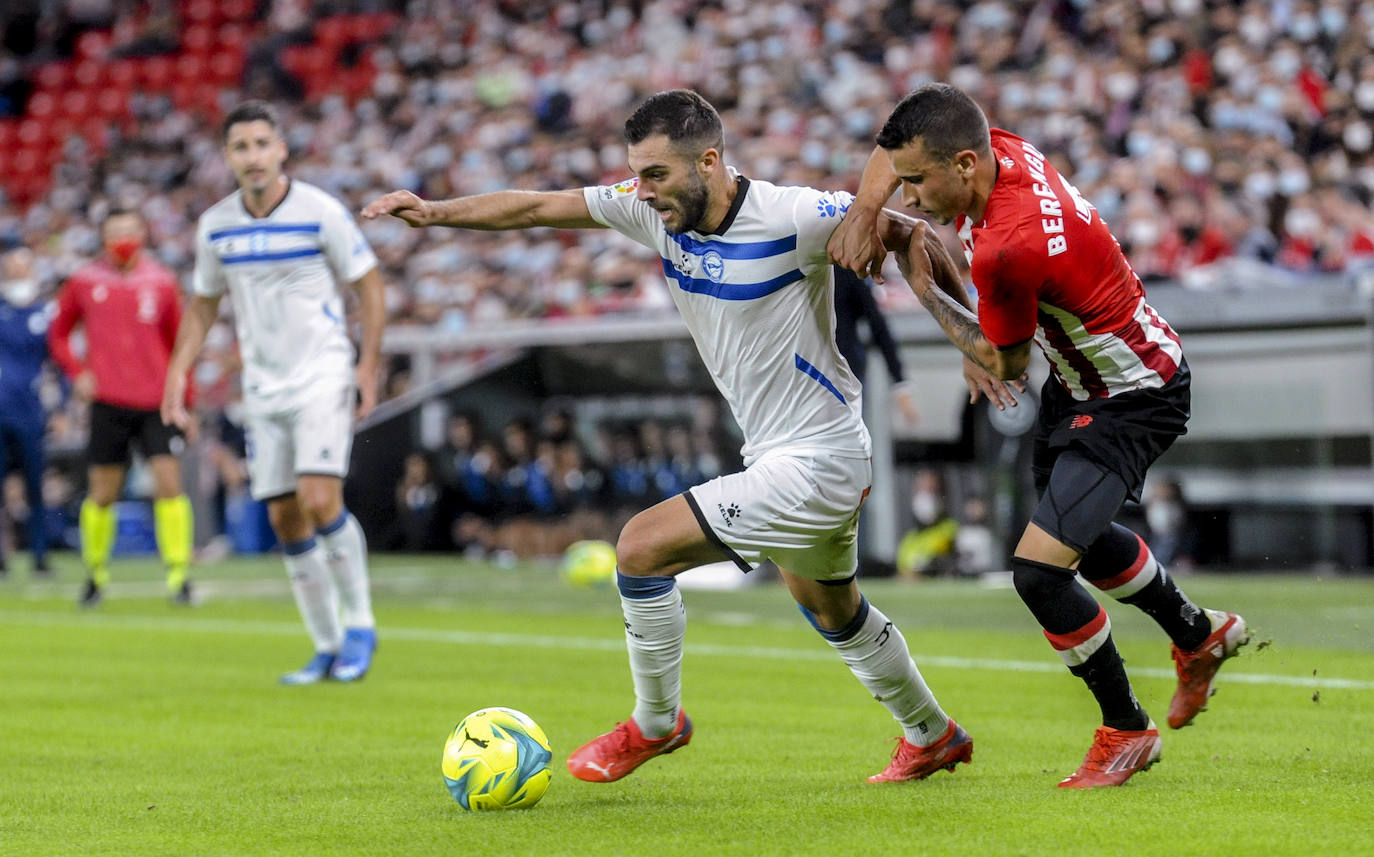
x=935 y=279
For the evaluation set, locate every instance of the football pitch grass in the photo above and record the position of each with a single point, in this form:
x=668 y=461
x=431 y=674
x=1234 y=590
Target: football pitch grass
x=143 y=729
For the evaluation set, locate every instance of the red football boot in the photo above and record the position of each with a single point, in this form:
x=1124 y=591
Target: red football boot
x=1197 y=668
x=1114 y=756
x=609 y=757
x=911 y=762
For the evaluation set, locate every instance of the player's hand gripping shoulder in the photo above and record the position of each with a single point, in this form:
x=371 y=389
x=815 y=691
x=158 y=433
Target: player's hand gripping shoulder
x=856 y=244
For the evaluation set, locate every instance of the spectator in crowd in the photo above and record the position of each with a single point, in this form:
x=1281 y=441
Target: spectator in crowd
x=417 y=496
x=1173 y=534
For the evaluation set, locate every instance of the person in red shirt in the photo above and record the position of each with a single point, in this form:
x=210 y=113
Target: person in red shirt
x=1048 y=271
x=128 y=306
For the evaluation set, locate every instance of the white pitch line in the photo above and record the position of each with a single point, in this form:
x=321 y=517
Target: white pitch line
x=594 y=644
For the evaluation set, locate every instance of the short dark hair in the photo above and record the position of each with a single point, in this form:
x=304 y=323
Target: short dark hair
x=250 y=111
x=120 y=211
x=684 y=117
x=943 y=116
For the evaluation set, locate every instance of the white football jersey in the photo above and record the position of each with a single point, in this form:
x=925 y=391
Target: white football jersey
x=757 y=296
x=283 y=274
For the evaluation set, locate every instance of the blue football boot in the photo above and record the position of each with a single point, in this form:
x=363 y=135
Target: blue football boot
x=356 y=654
x=315 y=671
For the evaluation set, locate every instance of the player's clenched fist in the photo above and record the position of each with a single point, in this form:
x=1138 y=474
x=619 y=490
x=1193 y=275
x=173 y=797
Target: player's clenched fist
x=401 y=204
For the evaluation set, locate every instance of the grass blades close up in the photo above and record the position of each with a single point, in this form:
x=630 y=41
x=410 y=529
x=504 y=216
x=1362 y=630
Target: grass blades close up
x=142 y=729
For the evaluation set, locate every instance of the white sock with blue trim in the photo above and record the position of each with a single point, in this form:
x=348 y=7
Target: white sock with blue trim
x=877 y=654
x=655 y=625
x=346 y=551
x=316 y=596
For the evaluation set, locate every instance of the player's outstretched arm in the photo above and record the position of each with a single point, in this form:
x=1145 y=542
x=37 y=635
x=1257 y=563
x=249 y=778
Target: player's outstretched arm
x=503 y=209
x=856 y=243
x=196 y=322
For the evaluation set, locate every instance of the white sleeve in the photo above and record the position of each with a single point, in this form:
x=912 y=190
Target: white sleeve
x=347 y=250
x=817 y=213
x=207 y=280
x=617 y=207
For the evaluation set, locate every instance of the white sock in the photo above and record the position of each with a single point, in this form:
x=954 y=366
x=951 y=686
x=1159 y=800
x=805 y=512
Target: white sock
x=316 y=596
x=654 y=630
x=346 y=550
x=877 y=654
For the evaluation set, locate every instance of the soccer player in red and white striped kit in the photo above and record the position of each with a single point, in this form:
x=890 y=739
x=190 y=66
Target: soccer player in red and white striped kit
x=1047 y=270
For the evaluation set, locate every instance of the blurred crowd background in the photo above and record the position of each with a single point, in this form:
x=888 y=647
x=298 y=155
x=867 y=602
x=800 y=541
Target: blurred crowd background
x=1226 y=143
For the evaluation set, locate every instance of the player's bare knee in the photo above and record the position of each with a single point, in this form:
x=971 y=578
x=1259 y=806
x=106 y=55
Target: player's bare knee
x=287 y=521
x=636 y=553
x=320 y=507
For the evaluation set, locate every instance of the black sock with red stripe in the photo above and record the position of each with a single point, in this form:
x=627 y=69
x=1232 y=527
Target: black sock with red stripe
x=1120 y=564
x=1104 y=672
x=1078 y=628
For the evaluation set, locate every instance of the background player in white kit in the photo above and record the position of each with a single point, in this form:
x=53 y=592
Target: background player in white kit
x=748 y=270
x=281 y=248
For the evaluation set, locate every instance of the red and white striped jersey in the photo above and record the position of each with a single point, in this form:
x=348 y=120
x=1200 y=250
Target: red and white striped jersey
x=1046 y=267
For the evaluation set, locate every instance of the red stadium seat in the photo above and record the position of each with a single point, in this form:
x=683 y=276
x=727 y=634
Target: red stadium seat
x=76 y=102
x=226 y=68
x=53 y=75
x=88 y=74
x=28 y=161
x=34 y=132
x=201 y=11
x=155 y=74
x=334 y=31
x=93 y=45
x=42 y=104
x=238 y=10
x=112 y=103
x=232 y=38
x=62 y=129
x=190 y=68
x=198 y=40
x=121 y=73
x=9 y=133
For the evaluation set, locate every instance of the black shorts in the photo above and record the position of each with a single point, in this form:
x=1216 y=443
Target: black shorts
x=1124 y=433
x=114 y=430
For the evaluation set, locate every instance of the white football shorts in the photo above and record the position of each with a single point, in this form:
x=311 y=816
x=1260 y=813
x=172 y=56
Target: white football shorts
x=798 y=508
x=315 y=436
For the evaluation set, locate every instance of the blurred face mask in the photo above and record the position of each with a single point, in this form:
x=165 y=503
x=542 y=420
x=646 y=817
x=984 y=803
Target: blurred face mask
x=123 y=250
x=926 y=508
x=20 y=293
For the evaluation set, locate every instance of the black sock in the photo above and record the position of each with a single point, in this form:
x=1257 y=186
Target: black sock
x=1121 y=565
x=1069 y=615
x=1105 y=675
x=1186 y=624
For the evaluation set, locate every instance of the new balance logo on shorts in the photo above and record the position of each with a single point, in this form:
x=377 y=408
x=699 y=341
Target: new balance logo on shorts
x=1080 y=421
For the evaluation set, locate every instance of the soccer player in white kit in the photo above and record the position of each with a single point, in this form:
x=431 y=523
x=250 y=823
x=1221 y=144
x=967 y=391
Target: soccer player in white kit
x=747 y=267
x=281 y=248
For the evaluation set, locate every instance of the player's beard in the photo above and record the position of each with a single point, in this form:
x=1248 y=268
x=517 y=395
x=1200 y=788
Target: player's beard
x=692 y=205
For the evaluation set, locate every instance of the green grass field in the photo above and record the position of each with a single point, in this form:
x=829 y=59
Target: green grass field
x=142 y=729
